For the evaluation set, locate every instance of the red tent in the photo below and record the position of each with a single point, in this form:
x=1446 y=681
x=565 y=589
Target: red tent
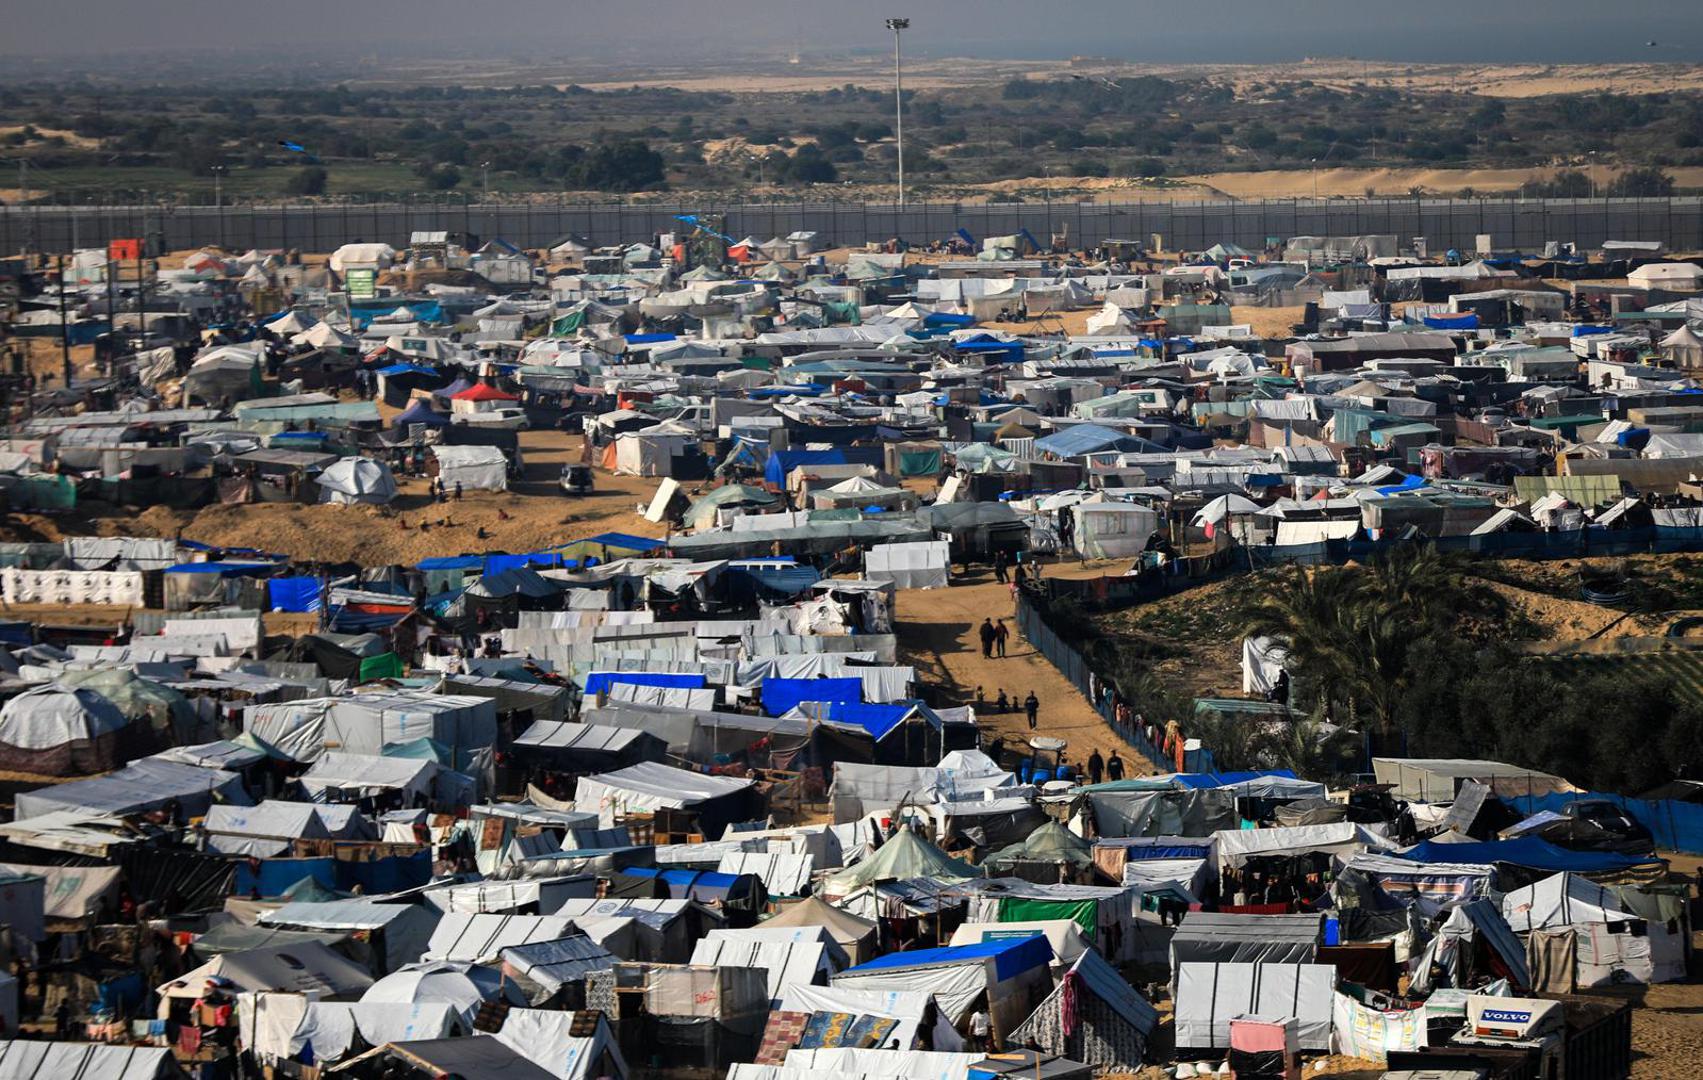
x=483 y=392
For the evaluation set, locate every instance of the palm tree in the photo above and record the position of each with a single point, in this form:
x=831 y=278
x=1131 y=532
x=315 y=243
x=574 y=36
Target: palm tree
x=1311 y=613
x=1309 y=747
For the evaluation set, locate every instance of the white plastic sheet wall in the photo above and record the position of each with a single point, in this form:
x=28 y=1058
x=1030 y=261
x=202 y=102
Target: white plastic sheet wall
x=116 y=587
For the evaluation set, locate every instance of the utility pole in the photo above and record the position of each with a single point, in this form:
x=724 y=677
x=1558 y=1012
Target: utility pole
x=218 y=172
x=1315 y=178
x=485 y=178
x=898 y=26
x=64 y=326
x=111 y=300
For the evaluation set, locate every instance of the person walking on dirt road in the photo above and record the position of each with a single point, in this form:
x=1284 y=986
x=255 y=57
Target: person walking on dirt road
x=1114 y=767
x=1096 y=766
x=1032 y=706
x=1000 y=633
x=987 y=633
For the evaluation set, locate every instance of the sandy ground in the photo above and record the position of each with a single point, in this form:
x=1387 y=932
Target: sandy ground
x=937 y=630
x=1666 y=70
x=1355 y=183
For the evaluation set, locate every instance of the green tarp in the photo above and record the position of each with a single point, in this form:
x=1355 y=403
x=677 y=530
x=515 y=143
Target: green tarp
x=44 y=493
x=1084 y=913
x=919 y=462
x=383 y=666
x=567 y=324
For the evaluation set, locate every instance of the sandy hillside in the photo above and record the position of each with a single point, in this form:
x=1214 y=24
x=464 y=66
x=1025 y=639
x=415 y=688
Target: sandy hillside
x=1356 y=183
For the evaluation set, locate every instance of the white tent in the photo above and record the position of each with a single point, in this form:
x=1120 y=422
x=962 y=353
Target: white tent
x=920 y=565
x=401 y=930
x=1209 y=995
x=31 y=1060
x=293 y=322
x=1064 y=935
x=330 y=1027
x=1342 y=838
x=325 y=336
x=647 y=786
x=363 y=775
x=554 y=1040
x=651 y=452
x=362 y=256
x=1611 y=944
x=463 y=986
x=790 y=959
x=354 y=480
x=1683 y=276
x=304 y=967
x=60 y=730
x=474 y=468
x=1113 y=530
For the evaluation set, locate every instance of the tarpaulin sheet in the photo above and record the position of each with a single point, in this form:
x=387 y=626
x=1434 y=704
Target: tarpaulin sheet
x=299 y=594
x=383 y=666
x=1370 y=1034
x=1524 y=851
x=1210 y=995
x=599 y=682
x=1085 y=913
x=878 y=720
x=781 y=696
x=1676 y=826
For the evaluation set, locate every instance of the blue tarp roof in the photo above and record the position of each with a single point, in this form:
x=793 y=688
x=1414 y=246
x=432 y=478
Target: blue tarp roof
x=1227 y=779
x=1408 y=483
x=647 y=339
x=300 y=594
x=679 y=880
x=1087 y=439
x=624 y=540
x=229 y=569
x=782 y=462
x=1466 y=320
x=598 y=682
x=1524 y=851
x=878 y=720
x=781 y=696
x=452 y=562
x=1011 y=956
x=496 y=564
x=407 y=369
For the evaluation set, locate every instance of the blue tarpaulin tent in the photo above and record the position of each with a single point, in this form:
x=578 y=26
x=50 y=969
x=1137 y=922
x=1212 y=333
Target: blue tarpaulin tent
x=420 y=413
x=1010 y=956
x=878 y=720
x=293 y=594
x=1528 y=851
x=599 y=682
x=781 y=696
x=1088 y=439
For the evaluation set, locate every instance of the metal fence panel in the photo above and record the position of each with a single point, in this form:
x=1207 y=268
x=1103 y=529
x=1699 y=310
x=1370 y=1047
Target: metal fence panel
x=1444 y=223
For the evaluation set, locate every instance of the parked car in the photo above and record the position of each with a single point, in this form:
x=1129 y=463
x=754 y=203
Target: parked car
x=1597 y=825
x=575 y=480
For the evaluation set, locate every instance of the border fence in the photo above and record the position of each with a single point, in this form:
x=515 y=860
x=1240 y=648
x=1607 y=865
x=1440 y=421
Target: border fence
x=1512 y=224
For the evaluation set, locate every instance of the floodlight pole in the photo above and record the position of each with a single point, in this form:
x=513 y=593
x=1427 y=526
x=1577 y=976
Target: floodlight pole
x=897 y=26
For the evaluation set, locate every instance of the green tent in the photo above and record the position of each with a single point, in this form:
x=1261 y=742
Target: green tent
x=383 y=666
x=904 y=857
x=1084 y=913
x=1051 y=843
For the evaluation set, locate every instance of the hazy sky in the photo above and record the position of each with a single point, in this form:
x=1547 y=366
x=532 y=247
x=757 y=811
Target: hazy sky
x=1222 y=30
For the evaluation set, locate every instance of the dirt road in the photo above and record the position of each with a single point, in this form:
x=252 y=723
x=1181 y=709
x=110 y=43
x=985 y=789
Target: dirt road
x=937 y=631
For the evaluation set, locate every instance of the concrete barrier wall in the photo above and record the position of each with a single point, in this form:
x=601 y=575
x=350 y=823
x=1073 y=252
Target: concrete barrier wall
x=1445 y=223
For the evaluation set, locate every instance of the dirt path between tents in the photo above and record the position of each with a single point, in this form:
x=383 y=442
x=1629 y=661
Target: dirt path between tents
x=937 y=632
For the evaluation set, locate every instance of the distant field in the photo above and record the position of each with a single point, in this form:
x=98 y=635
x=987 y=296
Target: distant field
x=89 y=183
